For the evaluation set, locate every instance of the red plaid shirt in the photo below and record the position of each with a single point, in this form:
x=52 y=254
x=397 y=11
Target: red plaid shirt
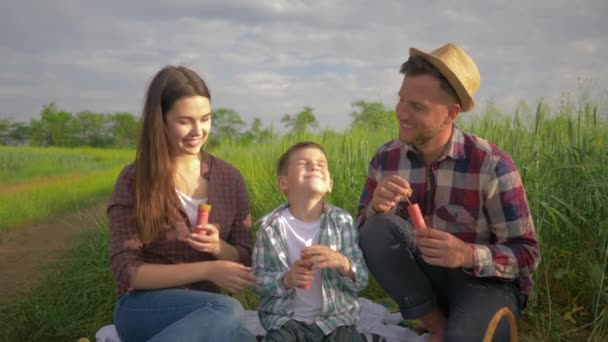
x=473 y=191
x=227 y=194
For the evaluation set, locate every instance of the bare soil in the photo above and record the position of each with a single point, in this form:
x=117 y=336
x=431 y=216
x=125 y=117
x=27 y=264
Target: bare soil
x=27 y=252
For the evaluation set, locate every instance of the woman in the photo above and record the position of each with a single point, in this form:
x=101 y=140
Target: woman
x=168 y=277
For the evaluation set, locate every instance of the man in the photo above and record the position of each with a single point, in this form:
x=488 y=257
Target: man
x=479 y=248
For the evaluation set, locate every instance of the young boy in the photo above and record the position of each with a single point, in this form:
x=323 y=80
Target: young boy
x=306 y=259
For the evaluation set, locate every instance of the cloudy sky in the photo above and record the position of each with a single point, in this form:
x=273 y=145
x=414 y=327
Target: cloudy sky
x=266 y=58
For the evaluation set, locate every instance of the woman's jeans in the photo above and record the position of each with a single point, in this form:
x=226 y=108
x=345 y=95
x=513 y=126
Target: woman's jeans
x=179 y=315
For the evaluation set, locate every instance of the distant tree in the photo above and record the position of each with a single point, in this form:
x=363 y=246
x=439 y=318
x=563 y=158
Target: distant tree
x=55 y=127
x=301 y=122
x=123 y=128
x=5 y=125
x=19 y=133
x=60 y=126
x=262 y=134
x=89 y=128
x=226 y=123
x=257 y=133
x=371 y=115
x=39 y=136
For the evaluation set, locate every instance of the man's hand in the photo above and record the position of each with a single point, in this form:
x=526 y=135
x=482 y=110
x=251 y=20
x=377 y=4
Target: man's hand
x=388 y=193
x=444 y=249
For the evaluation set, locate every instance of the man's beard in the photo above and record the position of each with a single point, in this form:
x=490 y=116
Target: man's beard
x=426 y=135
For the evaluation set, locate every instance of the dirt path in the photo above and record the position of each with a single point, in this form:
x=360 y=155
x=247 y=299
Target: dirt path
x=26 y=254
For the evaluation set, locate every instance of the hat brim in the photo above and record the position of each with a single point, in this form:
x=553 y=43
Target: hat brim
x=466 y=101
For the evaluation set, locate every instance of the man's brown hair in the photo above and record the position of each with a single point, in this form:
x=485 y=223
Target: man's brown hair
x=418 y=65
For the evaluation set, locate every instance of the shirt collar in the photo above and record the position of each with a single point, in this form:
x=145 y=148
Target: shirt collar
x=269 y=218
x=455 y=149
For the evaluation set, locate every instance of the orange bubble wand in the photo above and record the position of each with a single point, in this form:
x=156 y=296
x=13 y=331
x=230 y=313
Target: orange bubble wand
x=307 y=257
x=414 y=210
x=202 y=217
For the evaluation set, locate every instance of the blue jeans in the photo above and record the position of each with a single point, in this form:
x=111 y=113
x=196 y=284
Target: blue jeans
x=179 y=315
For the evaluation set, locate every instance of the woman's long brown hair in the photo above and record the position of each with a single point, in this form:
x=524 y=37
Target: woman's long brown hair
x=155 y=196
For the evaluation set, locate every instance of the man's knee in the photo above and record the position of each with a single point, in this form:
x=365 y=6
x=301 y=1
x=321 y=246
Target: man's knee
x=383 y=229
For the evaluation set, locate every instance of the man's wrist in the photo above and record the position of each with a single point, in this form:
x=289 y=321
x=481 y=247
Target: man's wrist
x=469 y=256
x=374 y=210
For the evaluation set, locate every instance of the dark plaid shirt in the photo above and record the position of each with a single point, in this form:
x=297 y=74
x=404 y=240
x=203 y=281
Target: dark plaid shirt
x=473 y=191
x=227 y=194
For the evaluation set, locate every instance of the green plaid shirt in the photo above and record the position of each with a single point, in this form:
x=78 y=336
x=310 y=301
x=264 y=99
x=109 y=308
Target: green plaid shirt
x=270 y=263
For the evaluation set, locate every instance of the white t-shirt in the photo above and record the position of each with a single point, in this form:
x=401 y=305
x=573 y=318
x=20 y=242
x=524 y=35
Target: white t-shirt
x=190 y=205
x=307 y=303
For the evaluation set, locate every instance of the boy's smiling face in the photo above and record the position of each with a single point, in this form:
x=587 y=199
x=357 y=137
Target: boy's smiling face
x=307 y=173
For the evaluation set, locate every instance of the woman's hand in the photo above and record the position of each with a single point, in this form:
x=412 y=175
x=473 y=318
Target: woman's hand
x=231 y=276
x=206 y=238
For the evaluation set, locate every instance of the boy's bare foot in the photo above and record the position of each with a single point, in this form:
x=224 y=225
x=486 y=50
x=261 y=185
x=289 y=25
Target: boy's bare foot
x=436 y=323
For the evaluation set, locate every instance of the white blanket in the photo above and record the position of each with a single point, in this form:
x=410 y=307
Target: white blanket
x=374 y=319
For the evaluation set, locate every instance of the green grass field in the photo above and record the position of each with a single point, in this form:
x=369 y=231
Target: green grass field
x=36 y=183
x=563 y=160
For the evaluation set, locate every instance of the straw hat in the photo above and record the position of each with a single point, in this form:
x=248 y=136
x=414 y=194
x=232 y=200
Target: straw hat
x=458 y=68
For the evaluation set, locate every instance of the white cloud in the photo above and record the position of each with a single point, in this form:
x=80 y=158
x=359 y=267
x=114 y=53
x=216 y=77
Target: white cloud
x=268 y=58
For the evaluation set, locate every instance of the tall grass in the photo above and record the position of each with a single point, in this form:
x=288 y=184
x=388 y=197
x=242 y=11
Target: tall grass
x=75 y=300
x=562 y=156
x=563 y=160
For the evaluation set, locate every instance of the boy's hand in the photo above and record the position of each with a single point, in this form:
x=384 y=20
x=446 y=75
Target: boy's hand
x=320 y=256
x=299 y=275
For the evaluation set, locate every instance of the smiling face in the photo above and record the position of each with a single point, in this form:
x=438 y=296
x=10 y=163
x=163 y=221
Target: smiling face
x=425 y=112
x=188 y=125
x=307 y=172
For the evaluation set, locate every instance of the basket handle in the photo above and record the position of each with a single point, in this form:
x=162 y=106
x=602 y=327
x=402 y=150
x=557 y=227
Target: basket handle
x=491 y=329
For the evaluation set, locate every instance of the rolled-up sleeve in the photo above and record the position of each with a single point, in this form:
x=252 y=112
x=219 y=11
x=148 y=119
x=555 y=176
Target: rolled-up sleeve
x=351 y=250
x=267 y=268
x=125 y=244
x=516 y=252
x=364 y=209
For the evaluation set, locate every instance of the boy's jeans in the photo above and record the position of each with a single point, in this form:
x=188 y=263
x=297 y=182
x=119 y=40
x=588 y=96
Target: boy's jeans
x=179 y=315
x=294 y=331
